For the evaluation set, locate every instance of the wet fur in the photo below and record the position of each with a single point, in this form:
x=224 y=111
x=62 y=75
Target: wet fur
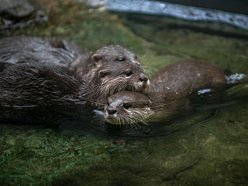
x=38 y=84
x=134 y=117
x=38 y=93
x=22 y=49
x=105 y=71
x=170 y=91
x=33 y=80
x=112 y=59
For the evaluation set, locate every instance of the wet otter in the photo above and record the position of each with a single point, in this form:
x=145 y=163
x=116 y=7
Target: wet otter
x=24 y=49
x=170 y=92
x=91 y=78
x=37 y=93
x=108 y=70
x=42 y=93
x=20 y=13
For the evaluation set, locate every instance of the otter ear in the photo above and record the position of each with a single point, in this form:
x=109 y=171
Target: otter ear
x=149 y=102
x=97 y=59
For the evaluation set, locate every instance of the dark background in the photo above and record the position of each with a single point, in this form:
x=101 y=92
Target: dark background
x=237 y=6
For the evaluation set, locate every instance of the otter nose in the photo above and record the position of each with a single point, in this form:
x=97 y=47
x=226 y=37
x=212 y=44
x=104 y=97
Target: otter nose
x=111 y=111
x=143 y=78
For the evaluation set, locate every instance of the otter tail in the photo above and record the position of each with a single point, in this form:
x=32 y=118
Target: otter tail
x=236 y=89
x=236 y=79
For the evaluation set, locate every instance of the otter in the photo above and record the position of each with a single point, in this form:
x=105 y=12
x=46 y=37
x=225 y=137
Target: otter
x=170 y=92
x=38 y=93
x=25 y=49
x=30 y=87
x=43 y=93
x=108 y=70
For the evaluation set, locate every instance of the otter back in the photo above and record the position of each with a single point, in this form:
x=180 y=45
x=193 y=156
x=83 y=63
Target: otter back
x=23 y=49
x=42 y=92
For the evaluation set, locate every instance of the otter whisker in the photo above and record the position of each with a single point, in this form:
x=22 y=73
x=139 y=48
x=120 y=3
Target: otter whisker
x=132 y=125
x=119 y=120
x=135 y=117
x=110 y=86
x=136 y=126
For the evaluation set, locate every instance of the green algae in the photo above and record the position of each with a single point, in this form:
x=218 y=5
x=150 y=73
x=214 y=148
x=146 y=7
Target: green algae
x=40 y=155
x=212 y=152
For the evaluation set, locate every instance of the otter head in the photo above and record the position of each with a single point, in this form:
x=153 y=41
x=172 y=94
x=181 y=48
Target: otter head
x=127 y=108
x=112 y=69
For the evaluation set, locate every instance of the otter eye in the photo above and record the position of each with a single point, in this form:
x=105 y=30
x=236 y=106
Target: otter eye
x=126 y=105
x=120 y=58
x=128 y=73
x=135 y=57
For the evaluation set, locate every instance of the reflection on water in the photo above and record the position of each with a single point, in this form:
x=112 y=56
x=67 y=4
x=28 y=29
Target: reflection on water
x=163 y=128
x=206 y=147
x=177 y=10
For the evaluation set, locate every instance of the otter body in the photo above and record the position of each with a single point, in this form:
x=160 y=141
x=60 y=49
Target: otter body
x=40 y=93
x=169 y=93
x=108 y=70
x=22 y=49
x=37 y=83
x=194 y=73
x=186 y=78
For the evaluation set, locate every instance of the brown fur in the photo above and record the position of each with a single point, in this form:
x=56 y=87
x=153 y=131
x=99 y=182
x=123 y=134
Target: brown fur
x=108 y=70
x=36 y=82
x=37 y=93
x=22 y=49
x=169 y=92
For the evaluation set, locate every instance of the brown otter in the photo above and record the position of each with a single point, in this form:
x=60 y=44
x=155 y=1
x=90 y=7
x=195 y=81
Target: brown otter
x=24 y=49
x=32 y=86
x=108 y=70
x=37 y=93
x=169 y=93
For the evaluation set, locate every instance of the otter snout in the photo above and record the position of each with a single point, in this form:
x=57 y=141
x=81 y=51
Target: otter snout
x=111 y=110
x=143 y=78
x=141 y=83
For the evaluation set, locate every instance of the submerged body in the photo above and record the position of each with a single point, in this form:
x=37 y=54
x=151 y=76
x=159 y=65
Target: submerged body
x=170 y=93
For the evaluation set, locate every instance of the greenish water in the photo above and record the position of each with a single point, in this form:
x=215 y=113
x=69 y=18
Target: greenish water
x=208 y=147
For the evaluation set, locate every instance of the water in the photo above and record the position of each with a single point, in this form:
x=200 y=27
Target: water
x=206 y=147
x=177 y=10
